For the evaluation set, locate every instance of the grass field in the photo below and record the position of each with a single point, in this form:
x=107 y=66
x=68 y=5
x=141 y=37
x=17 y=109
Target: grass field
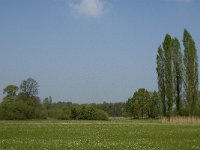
x=97 y=135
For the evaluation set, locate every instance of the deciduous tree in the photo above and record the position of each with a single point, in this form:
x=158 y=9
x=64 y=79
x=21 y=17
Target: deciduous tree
x=141 y=103
x=190 y=72
x=167 y=46
x=29 y=87
x=161 y=78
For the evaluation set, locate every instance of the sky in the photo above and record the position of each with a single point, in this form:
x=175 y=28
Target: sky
x=87 y=51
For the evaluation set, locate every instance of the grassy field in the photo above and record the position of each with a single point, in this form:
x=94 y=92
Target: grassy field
x=97 y=135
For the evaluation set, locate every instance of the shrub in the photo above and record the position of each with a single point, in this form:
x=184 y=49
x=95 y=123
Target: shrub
x=90 y=113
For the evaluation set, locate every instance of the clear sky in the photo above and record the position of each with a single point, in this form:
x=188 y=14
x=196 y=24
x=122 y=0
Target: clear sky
x=89 y=50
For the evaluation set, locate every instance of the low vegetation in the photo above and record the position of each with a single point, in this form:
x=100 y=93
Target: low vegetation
x=98 y=135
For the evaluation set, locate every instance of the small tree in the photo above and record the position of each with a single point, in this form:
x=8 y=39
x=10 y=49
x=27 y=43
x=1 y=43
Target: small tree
x=140 y=103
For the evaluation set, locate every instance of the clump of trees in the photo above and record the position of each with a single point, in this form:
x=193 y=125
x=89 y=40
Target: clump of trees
x=22 y=103
x=177 y=74
x=143 y=104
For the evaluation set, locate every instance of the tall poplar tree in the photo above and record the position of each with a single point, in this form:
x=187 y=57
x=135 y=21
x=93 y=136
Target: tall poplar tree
x=167 y=46
x=161 y=77
x=190 y=72
x=177 y=73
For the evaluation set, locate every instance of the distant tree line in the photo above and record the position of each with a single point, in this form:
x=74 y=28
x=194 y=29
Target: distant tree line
x=69 y=110
x=116 y=109
x=73 y=111
x=22 y=103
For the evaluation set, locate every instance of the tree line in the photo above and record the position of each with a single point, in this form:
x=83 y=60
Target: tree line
x=21 y=102
x=73 y=111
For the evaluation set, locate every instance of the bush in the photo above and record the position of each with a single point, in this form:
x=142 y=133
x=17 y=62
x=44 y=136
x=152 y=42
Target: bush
x=90 y=113
x=101 y=115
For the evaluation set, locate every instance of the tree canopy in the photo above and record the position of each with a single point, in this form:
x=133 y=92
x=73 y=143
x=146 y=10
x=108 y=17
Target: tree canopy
x=10 y=90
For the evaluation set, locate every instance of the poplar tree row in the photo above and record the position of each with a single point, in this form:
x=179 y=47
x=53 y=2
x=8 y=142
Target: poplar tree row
x=178 y=76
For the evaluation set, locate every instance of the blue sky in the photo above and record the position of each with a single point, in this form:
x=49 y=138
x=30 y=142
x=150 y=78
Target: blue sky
x=89 y=50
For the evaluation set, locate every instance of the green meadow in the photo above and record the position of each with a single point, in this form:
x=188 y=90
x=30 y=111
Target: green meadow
x=98 y=135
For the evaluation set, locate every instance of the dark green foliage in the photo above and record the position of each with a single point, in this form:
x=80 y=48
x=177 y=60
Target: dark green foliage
x=90 y=113
x=10 y=109
x=128 y=108
x=155 y=107
x=178 y=73
x=85 y=113
x=74 y=113
x=100 y=115
x=13 y=108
